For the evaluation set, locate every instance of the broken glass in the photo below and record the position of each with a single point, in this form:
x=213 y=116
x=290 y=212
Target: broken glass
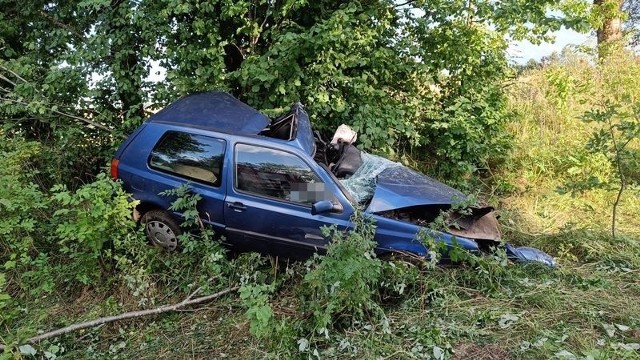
x=362 y=184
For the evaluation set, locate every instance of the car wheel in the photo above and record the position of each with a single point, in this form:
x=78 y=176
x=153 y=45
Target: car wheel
x=161 y=229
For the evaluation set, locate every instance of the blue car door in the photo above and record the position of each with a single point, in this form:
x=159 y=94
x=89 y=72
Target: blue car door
x=269 y=198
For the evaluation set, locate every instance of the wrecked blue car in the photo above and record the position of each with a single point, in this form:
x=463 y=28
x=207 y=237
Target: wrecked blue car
x=270 y=185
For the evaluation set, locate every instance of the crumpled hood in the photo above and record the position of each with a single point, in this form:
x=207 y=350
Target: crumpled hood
x=400 y=187
x=404 y=194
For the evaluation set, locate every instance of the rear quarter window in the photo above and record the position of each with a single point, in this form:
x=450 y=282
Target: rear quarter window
x=190 y=156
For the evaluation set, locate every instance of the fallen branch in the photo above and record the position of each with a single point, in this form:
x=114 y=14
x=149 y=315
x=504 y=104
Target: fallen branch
x=128 y=315
x=12 y=73
x=71 y=116
x=61 y=113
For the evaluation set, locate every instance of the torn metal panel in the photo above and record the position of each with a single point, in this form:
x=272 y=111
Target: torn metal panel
x=525 y=254
x=294 y=127
x=477 y=224
x=481 y=224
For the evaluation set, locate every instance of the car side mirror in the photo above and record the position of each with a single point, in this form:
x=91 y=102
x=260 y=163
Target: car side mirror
x=324 y=206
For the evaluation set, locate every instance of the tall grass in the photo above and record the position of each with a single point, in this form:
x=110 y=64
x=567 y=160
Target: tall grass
x=549 y=152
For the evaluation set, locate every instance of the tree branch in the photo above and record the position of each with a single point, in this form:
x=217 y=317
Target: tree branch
x=4 y=78
x=620 y=175
x=93 y=123
x=62 y=25
x=404 y=3
x=128 y=315
x=14 y=74
x=71 y=116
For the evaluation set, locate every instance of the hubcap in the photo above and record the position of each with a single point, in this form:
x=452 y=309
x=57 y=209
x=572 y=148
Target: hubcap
x=162 y=235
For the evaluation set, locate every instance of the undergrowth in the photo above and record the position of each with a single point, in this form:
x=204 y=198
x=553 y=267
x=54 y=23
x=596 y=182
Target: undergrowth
x=556 y=182
x=69 y=255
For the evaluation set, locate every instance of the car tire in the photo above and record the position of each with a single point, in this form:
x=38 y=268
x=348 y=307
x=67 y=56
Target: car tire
x=161 y=229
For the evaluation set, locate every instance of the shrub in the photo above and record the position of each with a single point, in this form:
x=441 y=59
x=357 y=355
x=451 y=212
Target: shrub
x=342 y=287
x=86 y=222
x=24 y=224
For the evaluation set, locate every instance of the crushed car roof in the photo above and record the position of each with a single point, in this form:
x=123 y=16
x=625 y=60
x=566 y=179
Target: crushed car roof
x=214 y=110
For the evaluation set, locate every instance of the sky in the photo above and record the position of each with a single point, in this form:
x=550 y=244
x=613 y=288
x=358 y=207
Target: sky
x=520 y=52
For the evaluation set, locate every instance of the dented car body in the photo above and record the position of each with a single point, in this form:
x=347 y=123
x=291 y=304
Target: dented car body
x=269 y=185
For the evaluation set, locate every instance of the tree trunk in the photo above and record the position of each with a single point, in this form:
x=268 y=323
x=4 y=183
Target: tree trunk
x=611 y=27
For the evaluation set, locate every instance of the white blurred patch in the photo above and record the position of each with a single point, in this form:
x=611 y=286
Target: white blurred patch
x=344 y=134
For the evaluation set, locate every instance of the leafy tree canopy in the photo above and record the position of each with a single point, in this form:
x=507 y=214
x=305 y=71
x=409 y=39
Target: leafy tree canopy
x=419 y=76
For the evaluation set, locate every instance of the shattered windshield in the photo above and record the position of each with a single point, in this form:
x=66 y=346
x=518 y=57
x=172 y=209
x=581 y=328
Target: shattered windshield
x=362 y=184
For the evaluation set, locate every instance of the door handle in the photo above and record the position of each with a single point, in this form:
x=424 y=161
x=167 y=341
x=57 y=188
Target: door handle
x=237 y=206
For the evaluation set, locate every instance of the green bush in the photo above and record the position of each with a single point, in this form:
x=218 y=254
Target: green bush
x=342 y=287
x=86 y=222
x=24 y=225
x=199 y=264
x=56 y=237
x=202 y=257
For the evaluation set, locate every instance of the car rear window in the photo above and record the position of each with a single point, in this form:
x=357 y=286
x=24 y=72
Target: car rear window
x=278 y=174
x=191 y=156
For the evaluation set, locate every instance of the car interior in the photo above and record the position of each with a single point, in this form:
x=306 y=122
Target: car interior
x=282 y=128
